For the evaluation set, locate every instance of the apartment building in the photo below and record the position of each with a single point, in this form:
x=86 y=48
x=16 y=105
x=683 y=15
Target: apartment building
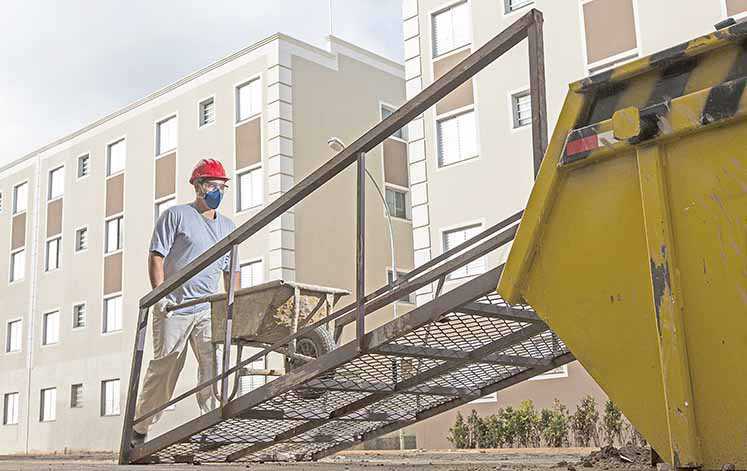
x=76 y=218
x=470 y=155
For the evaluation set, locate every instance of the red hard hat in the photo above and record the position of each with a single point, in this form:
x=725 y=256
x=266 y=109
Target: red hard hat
x=210 y=169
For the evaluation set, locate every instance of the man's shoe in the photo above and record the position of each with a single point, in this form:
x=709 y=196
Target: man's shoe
x=138 y=438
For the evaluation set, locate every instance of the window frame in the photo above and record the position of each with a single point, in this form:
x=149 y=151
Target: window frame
x=78 y=230
x=247 y=262
x=238 y=120
x=104 y=399
x=16 y=410
x=78 y=159
x=2 y=206
x=454 y=114
x=75 y=315
x=75 y=401
x=8 y=336
x=159 y=202
x=403 y=131
x=200 y=123
x=14 y=204
x=47 y=244
x=109 y=173
x=435 y=55
x=507 y=10
x=406 y=193
x=466 y=225
x=45 y=328
x=105 y=312
x=120 y=234
x=244 y=171
x=12 y=265
x=157 y=135
x=43 y=402
x=412 y=297
x=50 y=183
x=513 y=97
x=611 y=62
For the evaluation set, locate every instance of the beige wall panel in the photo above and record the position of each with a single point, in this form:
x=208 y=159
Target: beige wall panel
x=18 y=231
x=166 y=175
x=395 y=162
x=54 y=217
x=113 y=273
x=115 y=195
x=462 y=96
x=734 y=7
x=610 y=28
x=248 y=143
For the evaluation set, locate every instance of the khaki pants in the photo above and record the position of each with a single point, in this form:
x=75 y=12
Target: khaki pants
x=170 y=336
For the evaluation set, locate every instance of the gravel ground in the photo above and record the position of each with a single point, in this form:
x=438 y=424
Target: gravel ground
x=546 y=459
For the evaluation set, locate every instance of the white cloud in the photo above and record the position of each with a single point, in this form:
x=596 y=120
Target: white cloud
x=69 y=63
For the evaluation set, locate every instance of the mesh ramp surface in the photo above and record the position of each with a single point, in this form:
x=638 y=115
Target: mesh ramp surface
x=420 y=369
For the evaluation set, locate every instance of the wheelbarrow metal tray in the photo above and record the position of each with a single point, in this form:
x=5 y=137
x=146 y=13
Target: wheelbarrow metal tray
x=264 y=313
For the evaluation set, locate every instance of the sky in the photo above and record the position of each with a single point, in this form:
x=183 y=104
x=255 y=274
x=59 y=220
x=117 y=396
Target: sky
x=68 y=63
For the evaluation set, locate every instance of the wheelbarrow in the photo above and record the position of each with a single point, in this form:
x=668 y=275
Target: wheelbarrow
x=265 y=314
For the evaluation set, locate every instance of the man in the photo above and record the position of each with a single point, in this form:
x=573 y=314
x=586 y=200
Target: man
x=183 y=233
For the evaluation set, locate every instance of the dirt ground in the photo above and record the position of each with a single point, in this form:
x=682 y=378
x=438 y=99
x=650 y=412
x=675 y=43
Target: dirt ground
x=559 y=459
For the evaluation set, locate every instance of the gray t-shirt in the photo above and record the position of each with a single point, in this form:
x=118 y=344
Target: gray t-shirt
x=181 y=235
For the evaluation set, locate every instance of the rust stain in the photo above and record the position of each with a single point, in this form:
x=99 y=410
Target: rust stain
x=661 y=283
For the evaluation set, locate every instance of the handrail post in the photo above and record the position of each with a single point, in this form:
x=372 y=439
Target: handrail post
x=360 y=252
x=134 y=386
x=537 y=89
x=231 y=288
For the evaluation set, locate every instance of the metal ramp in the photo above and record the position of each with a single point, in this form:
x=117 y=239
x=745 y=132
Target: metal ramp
x=463 y=344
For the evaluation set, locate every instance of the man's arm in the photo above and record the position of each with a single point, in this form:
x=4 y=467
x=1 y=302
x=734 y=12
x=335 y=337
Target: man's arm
x=155 y=269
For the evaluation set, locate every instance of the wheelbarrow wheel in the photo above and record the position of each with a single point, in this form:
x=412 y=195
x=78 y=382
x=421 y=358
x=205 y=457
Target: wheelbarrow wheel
x=313 y=344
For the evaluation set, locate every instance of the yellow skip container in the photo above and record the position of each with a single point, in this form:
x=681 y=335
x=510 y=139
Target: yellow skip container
x=632 y=247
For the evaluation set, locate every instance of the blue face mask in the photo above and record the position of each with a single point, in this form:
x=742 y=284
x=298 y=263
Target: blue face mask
x=213 y=198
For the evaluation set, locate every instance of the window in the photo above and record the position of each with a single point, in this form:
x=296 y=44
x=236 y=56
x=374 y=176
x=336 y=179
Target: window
x=249 y=382
x=81 y=239
x=10 y=408
x=555 y=373
x=113 y=235
x=521 y=104
x=84 y=162
x=112 y=314
x=116 y=154
x=451 y=29
x=252 y=273
x=76 y=395
x=207 y=112
x=17 y=265
x=248 y=100
x=53 y=254
x=457 y=138
x=13 y=336
x=408 y=298
x=166 y=135
x=79 y=316
x=396 y=200
x=251 y=190
x=51 y=328
x=48 y=405
x=454 y=237
x=56 y=183
x=162 y=206
x=110 y=397
x=513 y=5
x=386 y=112
x=1 y=201
x=20 y=198
x=610 y=32
x=736 y=8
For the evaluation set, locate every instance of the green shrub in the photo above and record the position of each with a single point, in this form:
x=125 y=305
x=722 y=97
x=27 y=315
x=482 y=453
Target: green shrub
x=584 y=422
x=507 y=418
x=476 y=431
x=554 y=424
x=612 y=423
x=458 y=432
x=527 y=423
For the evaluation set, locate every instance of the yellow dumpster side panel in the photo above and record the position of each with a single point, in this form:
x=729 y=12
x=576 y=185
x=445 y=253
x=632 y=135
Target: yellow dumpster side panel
x=707 y=176
x=597 y=315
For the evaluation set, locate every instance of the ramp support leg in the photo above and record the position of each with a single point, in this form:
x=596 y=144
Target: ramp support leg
x=134 y=386
x=360 y=253
x=667 y=310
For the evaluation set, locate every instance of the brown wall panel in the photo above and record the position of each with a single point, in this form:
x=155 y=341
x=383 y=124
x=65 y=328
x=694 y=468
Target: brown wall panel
x=395 y=162
x=463 y=95
x=248 y=143
x=113 y=273
x=18 y=231
x=115 y=195
x=166 y=175
x=610 y=28
x=54 y=217
x=734 y=7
